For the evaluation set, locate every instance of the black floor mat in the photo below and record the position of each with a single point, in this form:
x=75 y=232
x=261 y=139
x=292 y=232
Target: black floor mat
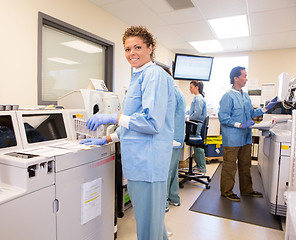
x=249 y=210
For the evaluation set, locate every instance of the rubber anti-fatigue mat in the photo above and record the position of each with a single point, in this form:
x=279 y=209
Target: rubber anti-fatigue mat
x=250 y=210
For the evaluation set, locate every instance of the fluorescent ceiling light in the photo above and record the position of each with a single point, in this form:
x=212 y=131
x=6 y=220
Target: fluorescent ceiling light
x=207 y=46
x=82 y=46
x=230 y=27
x=62 y=60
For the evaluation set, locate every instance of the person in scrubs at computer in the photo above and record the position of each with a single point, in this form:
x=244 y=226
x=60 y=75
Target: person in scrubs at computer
x=198 y=111
x=235 y=115
x=146 y=132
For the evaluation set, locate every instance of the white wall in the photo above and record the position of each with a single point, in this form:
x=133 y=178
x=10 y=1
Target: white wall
x=18 y=43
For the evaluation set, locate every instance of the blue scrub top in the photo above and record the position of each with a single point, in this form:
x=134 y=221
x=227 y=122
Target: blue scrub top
x=146 y=146
x=236 y=107
x=180 y=108
x=198 y=110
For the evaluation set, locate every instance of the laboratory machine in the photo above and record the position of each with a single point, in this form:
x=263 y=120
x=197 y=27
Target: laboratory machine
x=290 y=194
x=52 y=187
x=93 y=101
x=275 y=147
x=27 y=187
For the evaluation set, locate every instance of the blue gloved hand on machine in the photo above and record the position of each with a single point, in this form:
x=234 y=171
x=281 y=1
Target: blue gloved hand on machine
x=247 y=124
x=100 y=118
x=272 y=103
x=94 y=141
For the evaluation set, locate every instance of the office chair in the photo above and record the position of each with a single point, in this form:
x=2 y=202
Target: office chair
x=193 y=141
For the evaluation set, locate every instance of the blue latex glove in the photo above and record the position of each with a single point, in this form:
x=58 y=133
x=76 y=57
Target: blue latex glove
x=272 y=103
x=94 y=141
x=100 y=118
x=247 y=124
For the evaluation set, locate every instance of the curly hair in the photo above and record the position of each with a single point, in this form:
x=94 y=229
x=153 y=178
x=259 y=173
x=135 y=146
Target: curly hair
x=143 y=33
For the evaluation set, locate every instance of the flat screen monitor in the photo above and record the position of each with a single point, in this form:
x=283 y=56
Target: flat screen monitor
x=192 y=67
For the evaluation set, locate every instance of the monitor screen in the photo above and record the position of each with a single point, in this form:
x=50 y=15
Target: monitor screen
x=7 y=134
x=192 y=67
x=44 y=127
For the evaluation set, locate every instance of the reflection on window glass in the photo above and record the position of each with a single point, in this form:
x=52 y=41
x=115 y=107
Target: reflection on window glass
x=68 y=63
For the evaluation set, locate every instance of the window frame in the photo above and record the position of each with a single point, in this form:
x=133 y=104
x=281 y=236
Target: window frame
x=44 y=19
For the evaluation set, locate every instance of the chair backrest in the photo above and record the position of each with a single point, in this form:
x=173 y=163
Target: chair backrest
x=204 y=128
x=191 y=127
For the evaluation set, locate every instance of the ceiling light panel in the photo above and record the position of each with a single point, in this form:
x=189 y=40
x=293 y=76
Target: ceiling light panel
x=230 y=27
x=210 y=46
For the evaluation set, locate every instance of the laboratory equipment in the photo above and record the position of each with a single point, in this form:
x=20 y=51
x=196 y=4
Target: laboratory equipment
x=283 y=86
x=291 y=193
x=59 y=190
x=92 y=101
x=273 y=160
x=27 y=191
x=290 y=101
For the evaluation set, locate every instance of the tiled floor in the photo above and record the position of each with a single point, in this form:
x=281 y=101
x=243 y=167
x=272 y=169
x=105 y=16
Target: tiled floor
x=187 y=224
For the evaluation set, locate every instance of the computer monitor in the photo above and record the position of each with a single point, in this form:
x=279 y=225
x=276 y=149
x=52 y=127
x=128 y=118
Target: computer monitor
x=192 y=67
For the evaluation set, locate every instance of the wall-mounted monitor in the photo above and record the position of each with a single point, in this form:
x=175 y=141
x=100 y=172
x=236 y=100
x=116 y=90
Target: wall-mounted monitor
x=192 y=67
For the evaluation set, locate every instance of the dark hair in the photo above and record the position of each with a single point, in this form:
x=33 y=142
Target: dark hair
x=200 y=86
x=235 y=72
x=141 y=32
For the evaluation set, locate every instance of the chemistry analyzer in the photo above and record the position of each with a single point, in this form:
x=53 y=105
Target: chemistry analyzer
x=50 y=187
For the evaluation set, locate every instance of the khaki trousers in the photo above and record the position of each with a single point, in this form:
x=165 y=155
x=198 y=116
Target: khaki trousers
x=243 y=157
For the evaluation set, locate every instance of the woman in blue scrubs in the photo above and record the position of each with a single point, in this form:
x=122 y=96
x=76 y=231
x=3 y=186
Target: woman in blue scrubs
x=146 y=131
x=198 y=111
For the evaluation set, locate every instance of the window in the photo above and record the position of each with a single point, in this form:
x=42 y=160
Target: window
x=68 y=57
x=220 y=81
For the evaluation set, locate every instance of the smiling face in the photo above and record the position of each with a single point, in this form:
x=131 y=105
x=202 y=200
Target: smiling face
x=136 y=52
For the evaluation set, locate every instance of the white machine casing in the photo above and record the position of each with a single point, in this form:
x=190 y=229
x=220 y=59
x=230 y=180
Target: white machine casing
x=27 y=192
x=283 y=86
x=92 y=101
x=291 y=193
x=44 y=197
x=273 y=163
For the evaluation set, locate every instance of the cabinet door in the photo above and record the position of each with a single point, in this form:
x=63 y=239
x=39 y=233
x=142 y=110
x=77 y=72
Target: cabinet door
x=92 y=219
x=30 y=217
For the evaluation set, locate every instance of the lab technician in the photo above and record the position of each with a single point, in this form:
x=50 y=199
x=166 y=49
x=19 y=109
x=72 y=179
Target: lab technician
x=235 y=115
x=198 y=111
x=146 y=133
x=173 y=197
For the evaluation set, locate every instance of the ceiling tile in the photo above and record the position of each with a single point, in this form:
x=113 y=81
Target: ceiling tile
x=158 y=6
x=267 y=5
x=182 y=16
x=103 y=2
x=268 y=41
x=195 y=31
x=237 y=44
x=217 y=8
x=134 y=13
x=273 y=21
